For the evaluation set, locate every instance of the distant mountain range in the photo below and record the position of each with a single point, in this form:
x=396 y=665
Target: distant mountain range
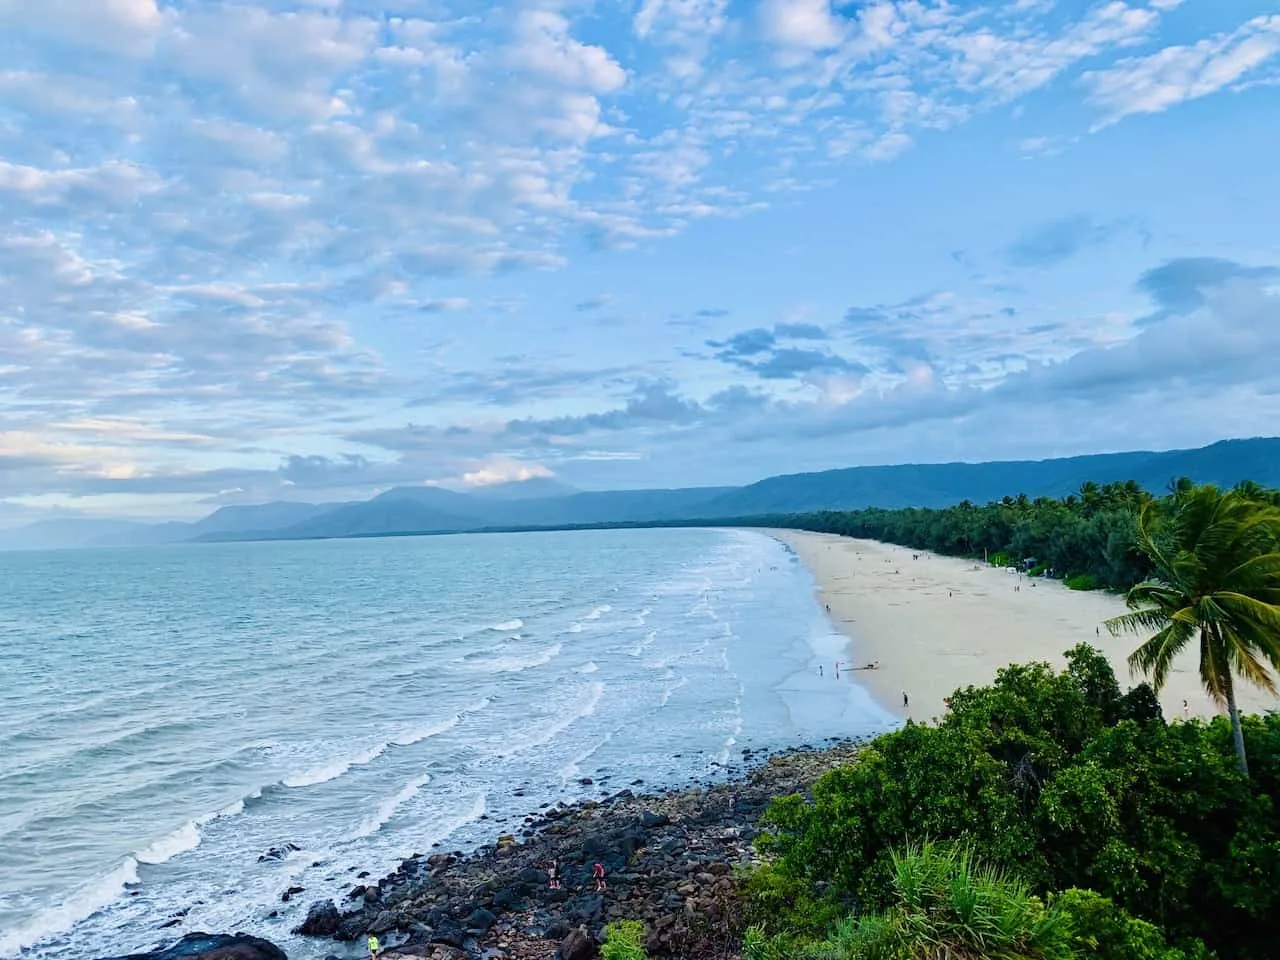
x=546 y=503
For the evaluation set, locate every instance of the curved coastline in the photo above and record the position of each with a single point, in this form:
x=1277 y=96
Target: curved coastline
x=937 y=623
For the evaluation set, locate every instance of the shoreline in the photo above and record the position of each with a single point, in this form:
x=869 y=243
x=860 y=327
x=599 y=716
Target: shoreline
x=937 y=623
x=672 y=860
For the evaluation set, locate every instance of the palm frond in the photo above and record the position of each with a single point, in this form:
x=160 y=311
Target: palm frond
x=1154 y=658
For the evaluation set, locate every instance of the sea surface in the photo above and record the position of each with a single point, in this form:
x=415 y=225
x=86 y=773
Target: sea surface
x=168 y=716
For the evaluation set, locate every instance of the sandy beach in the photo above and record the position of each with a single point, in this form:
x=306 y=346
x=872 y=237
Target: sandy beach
x=937 y=623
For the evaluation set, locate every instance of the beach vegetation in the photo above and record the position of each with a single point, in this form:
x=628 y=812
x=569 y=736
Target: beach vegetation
x=1215 y=581
x=1081 y=581
x=624 y=940
x=1143 y=833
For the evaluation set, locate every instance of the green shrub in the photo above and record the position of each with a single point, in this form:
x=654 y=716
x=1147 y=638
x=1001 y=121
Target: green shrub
x=1108 y=933
x=779 y=903
x=1063 y=782
x=946 y=904
x=623 y=940
x=1037 y=571
x=1082 y=581
x=1000 y=559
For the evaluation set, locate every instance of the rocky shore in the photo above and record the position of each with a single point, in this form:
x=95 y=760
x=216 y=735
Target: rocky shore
x=673 y=860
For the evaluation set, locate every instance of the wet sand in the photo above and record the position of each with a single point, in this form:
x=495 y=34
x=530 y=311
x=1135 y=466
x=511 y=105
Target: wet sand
x=937 y=623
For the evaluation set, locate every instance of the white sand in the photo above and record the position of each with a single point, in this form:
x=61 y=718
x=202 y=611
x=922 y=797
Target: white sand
x=939 y=623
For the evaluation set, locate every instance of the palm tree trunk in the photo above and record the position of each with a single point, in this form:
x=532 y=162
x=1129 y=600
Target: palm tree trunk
x=1237 y=732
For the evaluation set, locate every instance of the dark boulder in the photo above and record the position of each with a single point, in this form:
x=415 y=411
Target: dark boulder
x=450 y=932
x=385 y=922
x=649 y=820
x=322 y=920
x=214 y=946
x=587 y=909
x=506 y=899
x=578 y=945
x=481 y=920
x=291 y=893
x=280 y=852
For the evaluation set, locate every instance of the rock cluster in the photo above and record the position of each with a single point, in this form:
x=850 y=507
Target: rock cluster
x=672 y=860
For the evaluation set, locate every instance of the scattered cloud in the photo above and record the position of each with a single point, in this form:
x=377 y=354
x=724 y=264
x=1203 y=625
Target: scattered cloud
x=220 y=217
x=1051 y=243
x=446 y=305
x=1175 y=74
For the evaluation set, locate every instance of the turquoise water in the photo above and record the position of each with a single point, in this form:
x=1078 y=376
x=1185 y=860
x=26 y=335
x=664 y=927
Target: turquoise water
x=169 y=715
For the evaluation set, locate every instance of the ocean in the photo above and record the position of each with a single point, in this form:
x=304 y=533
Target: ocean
x=188 y=731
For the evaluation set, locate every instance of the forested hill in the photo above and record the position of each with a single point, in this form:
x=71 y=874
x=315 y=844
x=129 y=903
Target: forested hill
x=941 y=484
x=428 y=509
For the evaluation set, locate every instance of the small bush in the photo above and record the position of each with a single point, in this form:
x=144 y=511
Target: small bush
x=1000 y=559
x=1037 y=571
x=1109 y=933
x=946 y=904
x=1082 y=581
x=779 y=903
x=623 y=940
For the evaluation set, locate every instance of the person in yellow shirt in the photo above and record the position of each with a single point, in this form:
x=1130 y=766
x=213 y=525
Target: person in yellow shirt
x=374 y=949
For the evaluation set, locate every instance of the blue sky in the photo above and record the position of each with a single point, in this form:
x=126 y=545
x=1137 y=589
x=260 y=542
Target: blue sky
x=311 y=249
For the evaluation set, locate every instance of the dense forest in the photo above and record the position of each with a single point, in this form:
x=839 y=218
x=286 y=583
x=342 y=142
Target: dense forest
x=1047 y=815
x=1088 y=538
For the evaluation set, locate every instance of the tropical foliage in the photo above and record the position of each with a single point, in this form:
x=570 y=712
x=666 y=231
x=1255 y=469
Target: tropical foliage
x=1143 y=832
x=1215 y=580
x=1089 y=538
x=623 y=940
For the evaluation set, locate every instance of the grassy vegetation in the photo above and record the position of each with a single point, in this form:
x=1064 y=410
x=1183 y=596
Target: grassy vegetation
x=1050 y=814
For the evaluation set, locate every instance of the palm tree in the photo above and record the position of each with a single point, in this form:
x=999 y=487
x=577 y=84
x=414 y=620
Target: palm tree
x=1216 y=561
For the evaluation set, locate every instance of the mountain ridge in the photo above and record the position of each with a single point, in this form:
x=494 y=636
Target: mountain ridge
x=431 y=509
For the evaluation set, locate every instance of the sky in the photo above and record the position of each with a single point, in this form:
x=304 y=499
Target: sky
x=313 y=249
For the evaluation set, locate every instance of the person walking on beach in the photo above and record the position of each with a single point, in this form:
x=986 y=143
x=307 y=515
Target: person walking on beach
x=904 y=699
x=374 y=948
x=597 y=872
x=1186 y=710
x=553 y=874
x=819 y=669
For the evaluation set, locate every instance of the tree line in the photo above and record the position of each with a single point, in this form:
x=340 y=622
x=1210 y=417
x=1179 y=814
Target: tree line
x=1088 y=538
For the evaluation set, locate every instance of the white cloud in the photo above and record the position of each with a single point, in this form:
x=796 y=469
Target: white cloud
x=504 y=470
x=219 y=206
x=1175 y=74
x=807 y=24
x=127 y=27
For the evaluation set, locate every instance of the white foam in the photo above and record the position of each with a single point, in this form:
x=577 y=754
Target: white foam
x=507 y=625
x=186 y=837
x=639 y=648
x=595 y=692
x=588 y=667
x=84 y=903
x=388 y=807
x=598 y=612
x=516 y=664
x=418 y=734
x=334 y=770
x=668 y=691
x=575 y=628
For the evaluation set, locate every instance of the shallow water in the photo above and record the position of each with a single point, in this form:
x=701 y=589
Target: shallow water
x=167 y=716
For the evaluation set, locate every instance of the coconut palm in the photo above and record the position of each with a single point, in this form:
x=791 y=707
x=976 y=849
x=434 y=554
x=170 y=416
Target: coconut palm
x=1216 y=562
